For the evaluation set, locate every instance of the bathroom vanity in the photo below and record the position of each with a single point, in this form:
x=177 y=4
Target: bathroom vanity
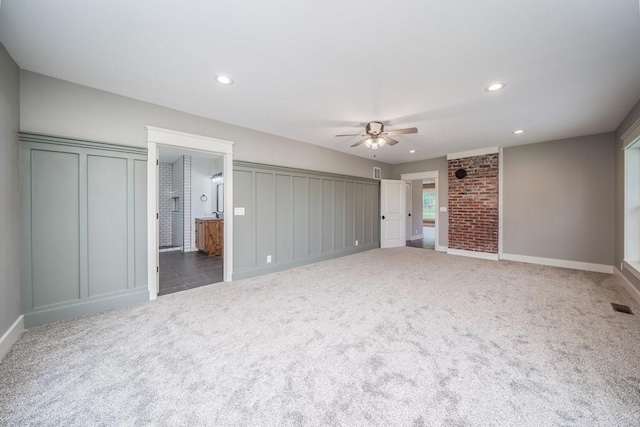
x=210 y=235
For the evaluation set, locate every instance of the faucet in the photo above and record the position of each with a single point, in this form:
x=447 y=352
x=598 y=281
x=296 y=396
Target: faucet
x=216 y=214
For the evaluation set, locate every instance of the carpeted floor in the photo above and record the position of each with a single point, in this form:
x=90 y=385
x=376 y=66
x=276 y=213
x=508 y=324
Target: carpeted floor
x=386 y=337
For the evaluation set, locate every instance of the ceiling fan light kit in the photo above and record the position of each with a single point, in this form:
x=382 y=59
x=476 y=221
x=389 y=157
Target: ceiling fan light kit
x=374 y=144
x=375 y=136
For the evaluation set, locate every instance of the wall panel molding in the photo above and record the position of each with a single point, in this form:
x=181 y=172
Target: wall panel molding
x=304 y=172
x=294 y=217
x=82 y=227
x=79 y=143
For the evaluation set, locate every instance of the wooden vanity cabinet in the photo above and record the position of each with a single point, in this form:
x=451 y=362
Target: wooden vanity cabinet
x=210 y=236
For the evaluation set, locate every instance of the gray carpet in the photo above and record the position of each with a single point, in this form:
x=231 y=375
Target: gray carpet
x=386 y=337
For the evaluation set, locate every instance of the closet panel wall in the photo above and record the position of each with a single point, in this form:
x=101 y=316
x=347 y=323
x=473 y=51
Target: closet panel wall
x=84 y=227
x=55 y=180
x=295 y=217
x=107 y=224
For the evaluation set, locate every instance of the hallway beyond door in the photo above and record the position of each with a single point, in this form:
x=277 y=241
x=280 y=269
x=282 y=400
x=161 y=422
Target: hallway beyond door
x=428 y=240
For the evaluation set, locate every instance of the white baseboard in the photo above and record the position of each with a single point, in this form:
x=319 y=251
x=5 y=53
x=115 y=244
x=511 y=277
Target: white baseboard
x=472 y=254
x=416 y=236
x=441 y=248
x=633 y=291
x=575 y=265
x=11 y=336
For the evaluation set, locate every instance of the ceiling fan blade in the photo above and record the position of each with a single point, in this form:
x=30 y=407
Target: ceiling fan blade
x=389 y=141
x=361 y=141
x=352 y=134
x=402 y=131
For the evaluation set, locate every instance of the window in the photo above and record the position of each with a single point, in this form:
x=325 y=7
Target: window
x=632 y=206
x=429 y=204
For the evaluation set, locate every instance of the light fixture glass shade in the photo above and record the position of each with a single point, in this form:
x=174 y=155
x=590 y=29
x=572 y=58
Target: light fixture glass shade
x=368 y=143
x=381 y=142
x=375 y=146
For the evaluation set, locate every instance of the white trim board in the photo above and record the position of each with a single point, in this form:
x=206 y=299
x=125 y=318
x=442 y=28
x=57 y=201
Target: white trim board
x=441 y=248
x=11 y=336
x=630 y=136
x=631 y=267
x=473 y=153
x=418 y=175
x=472 y=254
x=156 y=138
x=189 y=141
x=628 y=286
x=429 y=175
x=552 y=262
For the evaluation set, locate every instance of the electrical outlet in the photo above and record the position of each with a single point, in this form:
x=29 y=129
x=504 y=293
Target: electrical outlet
x=356 y=243
x=268 y=258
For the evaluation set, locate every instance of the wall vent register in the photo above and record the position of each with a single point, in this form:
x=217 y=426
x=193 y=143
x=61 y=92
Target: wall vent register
x=377 y=173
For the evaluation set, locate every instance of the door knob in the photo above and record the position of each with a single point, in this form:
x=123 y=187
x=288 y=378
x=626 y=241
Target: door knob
x=382 y=216
x=409 y=214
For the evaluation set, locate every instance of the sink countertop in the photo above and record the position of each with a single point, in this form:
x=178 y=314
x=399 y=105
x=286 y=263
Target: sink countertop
x=209 y=218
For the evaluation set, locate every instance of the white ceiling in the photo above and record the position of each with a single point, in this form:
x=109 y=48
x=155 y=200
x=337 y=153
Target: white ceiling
x=308 y=70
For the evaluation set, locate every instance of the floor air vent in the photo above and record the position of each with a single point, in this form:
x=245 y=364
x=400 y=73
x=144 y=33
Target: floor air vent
x=621 y=308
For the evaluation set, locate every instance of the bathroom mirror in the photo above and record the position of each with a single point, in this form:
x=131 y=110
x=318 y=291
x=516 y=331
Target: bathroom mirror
x=220 y=198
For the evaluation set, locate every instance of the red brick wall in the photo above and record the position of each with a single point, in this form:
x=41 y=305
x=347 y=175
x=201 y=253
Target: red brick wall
x=473 y=204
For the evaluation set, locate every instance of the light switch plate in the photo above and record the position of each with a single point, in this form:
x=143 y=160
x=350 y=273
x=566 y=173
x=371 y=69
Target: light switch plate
x=238 y=211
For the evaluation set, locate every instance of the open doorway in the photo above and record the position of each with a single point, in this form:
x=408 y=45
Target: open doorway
x=191 y=219
x=216 y=198
x=429 y=193
x=424 y=209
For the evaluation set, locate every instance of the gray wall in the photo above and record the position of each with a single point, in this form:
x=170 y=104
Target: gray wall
x=84 y=227
x=56 y=107
x=181 y=218
x=631 y=118
x=10 y=238
x=439 y=164
x=559 y=199
x=416 y=207
x=298 y=216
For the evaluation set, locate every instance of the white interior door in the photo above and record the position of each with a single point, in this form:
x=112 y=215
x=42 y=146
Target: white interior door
x=392 y=213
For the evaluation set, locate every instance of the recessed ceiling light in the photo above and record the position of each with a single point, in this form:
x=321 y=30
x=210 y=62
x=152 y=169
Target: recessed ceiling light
x=225 y=80
x=494 y=87
x=412 y=151
x=518 y=132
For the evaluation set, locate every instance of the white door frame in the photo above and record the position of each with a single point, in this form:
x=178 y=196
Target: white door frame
x=158 y=137
x=428 y=175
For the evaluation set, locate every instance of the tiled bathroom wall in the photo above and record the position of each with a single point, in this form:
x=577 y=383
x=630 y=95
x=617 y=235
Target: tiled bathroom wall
x=181 y=217
x=165 y=203
x=186 y=217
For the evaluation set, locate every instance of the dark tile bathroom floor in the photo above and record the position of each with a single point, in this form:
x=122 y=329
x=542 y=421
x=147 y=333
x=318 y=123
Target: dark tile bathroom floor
x=180 y=271
x=427 y=242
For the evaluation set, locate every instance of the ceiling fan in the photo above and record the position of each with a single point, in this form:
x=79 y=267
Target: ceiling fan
x=375 y=136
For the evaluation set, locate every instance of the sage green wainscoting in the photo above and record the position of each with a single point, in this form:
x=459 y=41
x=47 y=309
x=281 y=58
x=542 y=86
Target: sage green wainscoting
x=84 y=227
x=299 y=216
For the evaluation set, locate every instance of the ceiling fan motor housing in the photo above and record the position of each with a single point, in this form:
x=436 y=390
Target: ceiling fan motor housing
x=374 y=128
